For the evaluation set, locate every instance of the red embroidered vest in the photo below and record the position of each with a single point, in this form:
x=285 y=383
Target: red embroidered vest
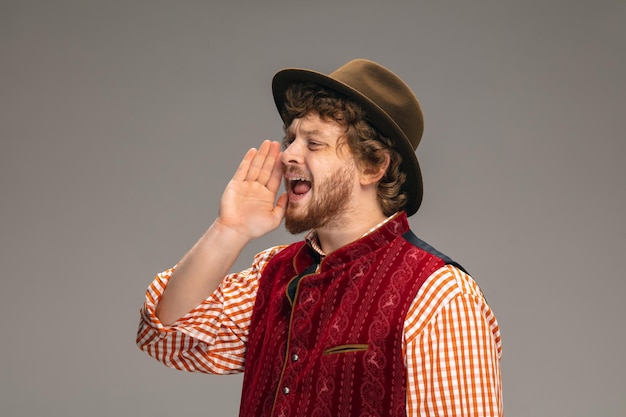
x=328 y=342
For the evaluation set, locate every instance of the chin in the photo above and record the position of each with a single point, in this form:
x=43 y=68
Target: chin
x=296 y=223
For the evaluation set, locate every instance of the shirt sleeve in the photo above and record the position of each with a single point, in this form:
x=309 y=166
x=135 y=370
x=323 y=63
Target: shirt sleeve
x=212 y=337
x=453 y=350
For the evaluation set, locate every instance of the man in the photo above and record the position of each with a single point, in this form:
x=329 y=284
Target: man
x=361 y=318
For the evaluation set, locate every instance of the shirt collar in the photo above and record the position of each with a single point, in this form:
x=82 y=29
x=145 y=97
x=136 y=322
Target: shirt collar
x=312 y=239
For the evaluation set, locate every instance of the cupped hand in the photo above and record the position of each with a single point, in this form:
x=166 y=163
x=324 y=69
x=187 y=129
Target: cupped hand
x=249 y=205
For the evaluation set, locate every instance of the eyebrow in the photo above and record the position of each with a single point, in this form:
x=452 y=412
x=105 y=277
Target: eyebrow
x=313 y=132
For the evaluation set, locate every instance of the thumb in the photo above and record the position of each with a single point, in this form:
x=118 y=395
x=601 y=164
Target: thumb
x=281 y=205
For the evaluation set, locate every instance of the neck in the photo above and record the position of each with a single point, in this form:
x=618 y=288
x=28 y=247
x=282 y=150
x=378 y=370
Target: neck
x=350 y=228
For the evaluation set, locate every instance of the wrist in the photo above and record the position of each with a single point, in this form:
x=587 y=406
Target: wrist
x=227 y=235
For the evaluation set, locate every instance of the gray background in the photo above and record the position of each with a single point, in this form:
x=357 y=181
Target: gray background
x=122 y=121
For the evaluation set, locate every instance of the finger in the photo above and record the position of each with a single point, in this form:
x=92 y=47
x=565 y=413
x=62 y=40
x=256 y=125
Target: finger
x=256 y=165
x=276 y=178
x=244 y=165
x=273 y=157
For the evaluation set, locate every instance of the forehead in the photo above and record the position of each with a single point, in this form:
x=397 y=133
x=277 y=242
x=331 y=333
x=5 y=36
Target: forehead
x=312 y=124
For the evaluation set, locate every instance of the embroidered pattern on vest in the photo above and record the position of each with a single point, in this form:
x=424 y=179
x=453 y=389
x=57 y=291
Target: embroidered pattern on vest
x=338 y=350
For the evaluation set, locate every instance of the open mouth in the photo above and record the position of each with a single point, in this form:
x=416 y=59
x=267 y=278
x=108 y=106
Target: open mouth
x=299 y=186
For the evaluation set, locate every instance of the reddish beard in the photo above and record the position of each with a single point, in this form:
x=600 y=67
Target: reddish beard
x=327 y=205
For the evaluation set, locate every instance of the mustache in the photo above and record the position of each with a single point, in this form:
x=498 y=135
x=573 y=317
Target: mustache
x=295 y=171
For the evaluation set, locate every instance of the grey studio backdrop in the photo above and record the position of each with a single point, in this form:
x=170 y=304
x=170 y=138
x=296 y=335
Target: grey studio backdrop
x=122 y=121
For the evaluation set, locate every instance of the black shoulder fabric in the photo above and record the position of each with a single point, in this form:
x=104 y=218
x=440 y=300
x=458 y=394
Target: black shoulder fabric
x=416 y=241
x=293 y=284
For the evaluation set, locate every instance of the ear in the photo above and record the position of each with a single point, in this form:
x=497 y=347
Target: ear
x=372 y=174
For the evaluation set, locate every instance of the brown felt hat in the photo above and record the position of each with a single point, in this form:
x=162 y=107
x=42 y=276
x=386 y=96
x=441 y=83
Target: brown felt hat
x=389 y=104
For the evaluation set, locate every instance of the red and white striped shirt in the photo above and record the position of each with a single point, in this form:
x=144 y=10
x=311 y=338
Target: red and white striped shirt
x=452 y=344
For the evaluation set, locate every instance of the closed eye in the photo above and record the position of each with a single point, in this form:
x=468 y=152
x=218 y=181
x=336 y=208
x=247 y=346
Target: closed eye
x=314 y=145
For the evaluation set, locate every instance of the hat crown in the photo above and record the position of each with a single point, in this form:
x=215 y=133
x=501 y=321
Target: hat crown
x=388 y=92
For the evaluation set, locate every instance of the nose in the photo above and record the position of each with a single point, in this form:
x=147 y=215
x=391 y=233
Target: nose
x=292 y=153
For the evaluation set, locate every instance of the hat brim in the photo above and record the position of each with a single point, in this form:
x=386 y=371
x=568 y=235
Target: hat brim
x=376 y=116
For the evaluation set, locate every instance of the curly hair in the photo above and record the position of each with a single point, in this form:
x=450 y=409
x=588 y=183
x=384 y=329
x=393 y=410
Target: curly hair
x=369 y=147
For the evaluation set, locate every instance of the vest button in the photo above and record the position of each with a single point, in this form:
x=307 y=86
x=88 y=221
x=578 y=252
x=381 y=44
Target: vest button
x=286 y=390
x=295 y=357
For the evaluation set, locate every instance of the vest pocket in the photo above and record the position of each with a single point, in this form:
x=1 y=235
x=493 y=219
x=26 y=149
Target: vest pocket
x=355 y=347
